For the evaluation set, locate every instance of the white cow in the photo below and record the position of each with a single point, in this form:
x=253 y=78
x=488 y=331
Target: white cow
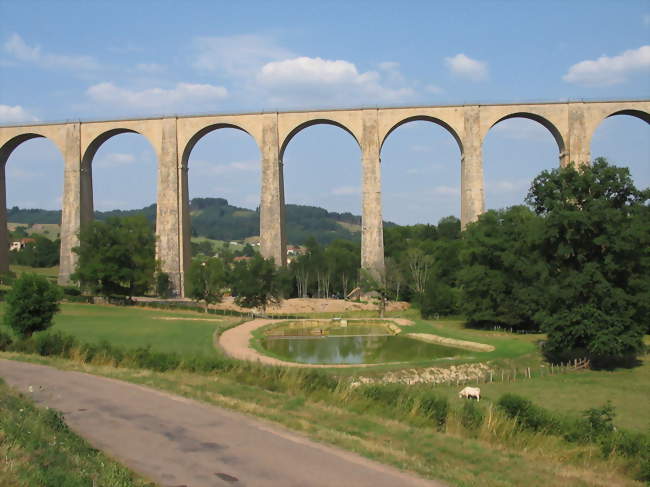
x=471 y=392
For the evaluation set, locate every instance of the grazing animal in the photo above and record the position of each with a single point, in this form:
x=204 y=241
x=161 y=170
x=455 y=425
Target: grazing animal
x=471 y=393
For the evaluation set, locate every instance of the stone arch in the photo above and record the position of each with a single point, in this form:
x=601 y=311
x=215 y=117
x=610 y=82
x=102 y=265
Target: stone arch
x=194 y=139
x=93 y=147
x=310 y=123
x=13 y=143
x=425 y=118
x=546 y=123
x=640 y=114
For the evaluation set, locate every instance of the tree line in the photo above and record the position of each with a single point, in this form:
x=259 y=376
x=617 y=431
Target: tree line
x=573 y=262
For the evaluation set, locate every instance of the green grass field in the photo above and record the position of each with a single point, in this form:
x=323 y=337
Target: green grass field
x=50 y=272
x=181 y=332
x=454 y=456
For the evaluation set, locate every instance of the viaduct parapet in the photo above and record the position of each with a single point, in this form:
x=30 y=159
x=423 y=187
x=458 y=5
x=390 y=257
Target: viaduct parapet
x=572 y=125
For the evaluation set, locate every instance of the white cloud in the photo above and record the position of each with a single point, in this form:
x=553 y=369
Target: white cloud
x=20 y=50
x=521 y=129
x=446 y=190
x=15 y=114
x=115 y=159
x=346 y=190
x=466 y=67
x=506 y=186
x=205 y=167
x=606 y=71
x=20 y=174
x=240 y=55
x=433 y=89
x=388 y=66
x=306 y=80
x=149 y=68
x=181 y=96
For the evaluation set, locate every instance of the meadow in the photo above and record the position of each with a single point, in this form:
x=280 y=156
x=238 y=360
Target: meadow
x=390 y=428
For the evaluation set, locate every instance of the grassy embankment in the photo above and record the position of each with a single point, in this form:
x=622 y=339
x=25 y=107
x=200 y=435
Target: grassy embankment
x=38 y=450
x=495 y=454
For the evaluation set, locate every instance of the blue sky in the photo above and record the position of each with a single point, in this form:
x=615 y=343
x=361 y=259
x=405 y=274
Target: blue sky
x=71 y=60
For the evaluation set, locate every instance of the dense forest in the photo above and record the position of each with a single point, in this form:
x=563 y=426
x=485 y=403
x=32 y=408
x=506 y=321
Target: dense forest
x=216 y=219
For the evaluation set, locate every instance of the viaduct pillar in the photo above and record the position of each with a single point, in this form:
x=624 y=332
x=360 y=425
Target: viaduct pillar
x=372 y=236
x=77 y=204
x=472 y=199
x=272 y=232
x=578 y=144
x=172 y=219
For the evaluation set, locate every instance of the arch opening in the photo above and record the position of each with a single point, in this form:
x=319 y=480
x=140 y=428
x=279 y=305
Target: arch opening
x=624 y=140
x=515 y=150
x=32 y=189
x=224 y=174
x=311 y=123
x=322 y=186
x=420 y=172
x=425 y=118
x=120 y=169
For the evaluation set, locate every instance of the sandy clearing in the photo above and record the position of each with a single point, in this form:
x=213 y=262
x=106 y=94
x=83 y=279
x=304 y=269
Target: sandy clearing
x=452 y=342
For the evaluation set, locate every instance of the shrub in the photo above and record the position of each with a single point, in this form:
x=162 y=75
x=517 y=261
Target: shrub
x=57 y=344
x=5 y=341
x=471 y=415
x=71 y=291
x=163 y=285
x=527 y=414
x=145 y=358
x=314 y=380
x=434 y=407
x=31 y=304
x=386 y=394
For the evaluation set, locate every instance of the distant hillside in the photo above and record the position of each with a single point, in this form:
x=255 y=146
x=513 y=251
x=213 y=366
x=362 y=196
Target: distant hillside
x=214 y=218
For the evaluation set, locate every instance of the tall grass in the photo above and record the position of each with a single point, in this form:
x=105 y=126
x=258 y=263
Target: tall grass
x=515 y=423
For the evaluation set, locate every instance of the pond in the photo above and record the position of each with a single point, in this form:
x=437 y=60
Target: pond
x=355 y=349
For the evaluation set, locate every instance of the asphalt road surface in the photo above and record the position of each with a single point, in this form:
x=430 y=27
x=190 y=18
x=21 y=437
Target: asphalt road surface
x=176 y=441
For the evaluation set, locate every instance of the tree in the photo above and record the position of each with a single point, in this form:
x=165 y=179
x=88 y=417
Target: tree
x=43 y=252
x=419 y=264
x=31 y=304
x=596 y=244
x=503 y=274
x=116 y=257
x=207 y=281
x=255 y=283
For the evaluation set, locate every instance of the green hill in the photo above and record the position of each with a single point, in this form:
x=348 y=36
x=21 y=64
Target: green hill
x=216 y=219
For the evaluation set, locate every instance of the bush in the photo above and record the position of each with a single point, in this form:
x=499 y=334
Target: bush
x=386 y=394
x=5 y=341
x=314 y=380
x=145 y=358
x=471 y=415
x=527 y=414
x=434 y=407
x=31 y=304
x=71 y=291
x=163 y=285
x=56 y=344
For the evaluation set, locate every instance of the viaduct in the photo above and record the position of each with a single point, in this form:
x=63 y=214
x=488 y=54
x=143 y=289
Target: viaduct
x=571 y=124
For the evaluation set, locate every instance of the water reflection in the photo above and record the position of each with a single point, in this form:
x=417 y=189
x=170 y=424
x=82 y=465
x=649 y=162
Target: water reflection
x=356 y=349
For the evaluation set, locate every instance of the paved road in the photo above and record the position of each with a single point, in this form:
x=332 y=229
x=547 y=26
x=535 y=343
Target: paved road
x=179 y=442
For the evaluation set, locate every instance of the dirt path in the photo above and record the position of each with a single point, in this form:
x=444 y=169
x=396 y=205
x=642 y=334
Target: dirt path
x=235 y=342
x=176 y=441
